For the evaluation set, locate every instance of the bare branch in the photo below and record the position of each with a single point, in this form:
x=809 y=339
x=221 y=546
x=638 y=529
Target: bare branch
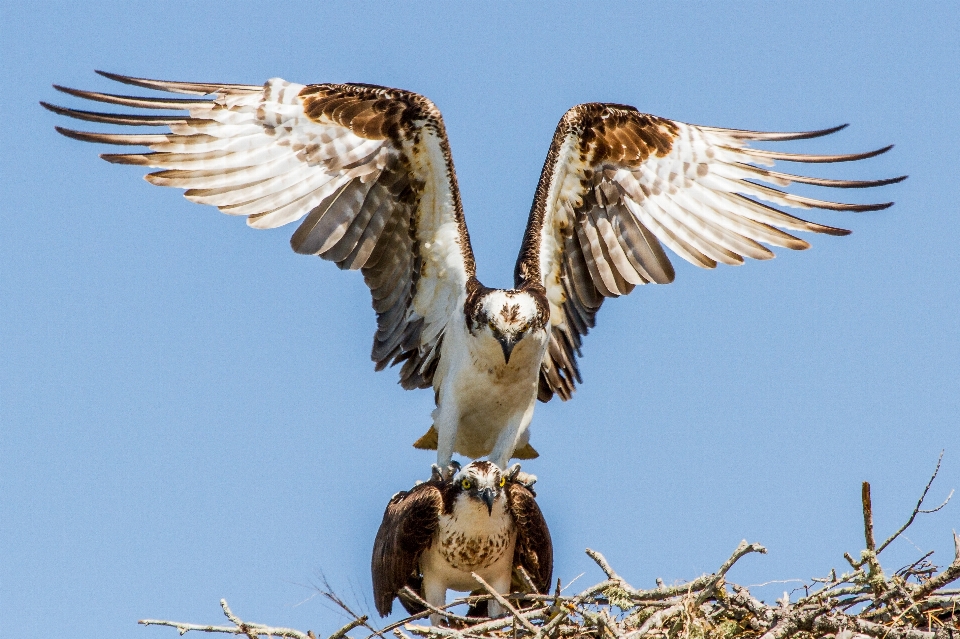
x=251 y=630
x=717 y=578
x=950 y=574
x=655 y=621
x=867 y=516
x=918 y=509
x=407 y=592
x=503 y=602
x=183 y=628
x=528 y=584
x=342 y=632
x=503 y=622
x=604 y=565
x=837 y=622
x=433 y=631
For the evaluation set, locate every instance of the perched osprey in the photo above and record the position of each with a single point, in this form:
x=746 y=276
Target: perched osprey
x=433 y=537
x=366 y=171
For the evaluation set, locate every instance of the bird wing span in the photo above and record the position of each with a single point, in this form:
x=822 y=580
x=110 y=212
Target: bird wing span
x=618 y=185
x=534 y=548
x=409 y=525
x=366 y=171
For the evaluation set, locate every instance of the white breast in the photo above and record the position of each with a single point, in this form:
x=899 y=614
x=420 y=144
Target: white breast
x=488 y=392
x=471 y=540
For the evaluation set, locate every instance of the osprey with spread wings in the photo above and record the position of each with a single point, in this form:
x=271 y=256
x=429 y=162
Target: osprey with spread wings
x=367 y=173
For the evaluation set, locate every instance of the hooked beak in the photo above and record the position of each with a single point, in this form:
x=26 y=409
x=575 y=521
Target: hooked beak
x=487 y=496
x=507 y=345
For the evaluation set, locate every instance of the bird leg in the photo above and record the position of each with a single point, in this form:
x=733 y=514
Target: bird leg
x=446 y=418
x=501 y=585
x=435 y=592
x=507 y=441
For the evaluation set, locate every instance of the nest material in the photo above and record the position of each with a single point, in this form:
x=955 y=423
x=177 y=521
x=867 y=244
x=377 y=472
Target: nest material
x=862 y=603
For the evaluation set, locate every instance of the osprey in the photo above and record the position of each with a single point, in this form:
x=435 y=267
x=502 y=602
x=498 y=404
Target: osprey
x=367 y=172
x=480 y=521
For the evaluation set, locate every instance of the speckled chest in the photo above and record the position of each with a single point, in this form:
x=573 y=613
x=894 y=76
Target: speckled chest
x=472 y=539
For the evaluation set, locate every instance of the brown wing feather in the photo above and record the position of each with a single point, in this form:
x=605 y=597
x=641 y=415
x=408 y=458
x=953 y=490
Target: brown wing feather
x=534 y=550
x=617 y=185
x=350 y=162
x=408 y=528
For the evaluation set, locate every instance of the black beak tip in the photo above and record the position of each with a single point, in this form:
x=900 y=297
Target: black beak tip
x=507 y=347
x=487 y=496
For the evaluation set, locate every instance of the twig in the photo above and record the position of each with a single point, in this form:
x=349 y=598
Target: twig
x=339 y=634
x=503 y=602
x=252 y=630
x=427 y=631
x=503 y=622
x=867 y=516
x=184 y=628
x=655 y=621
x=528 y=584
x=875 y=576
x=742 y=549
x=797 y=620
x=407 y=592
x=917 y=510
x=839 y=622
x=950 y=574
x=604 y=565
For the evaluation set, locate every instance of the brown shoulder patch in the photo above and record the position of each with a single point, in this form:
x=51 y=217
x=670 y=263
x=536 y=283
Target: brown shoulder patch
x=369 y=111
x=618 y=134
x=377 y=113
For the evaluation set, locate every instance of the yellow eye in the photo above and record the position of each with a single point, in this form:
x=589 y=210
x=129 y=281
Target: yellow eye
x=466 y=484
x=503 y=480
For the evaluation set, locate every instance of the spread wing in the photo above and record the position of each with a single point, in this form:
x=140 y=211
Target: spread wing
x=409 y=524
x=534 y=549
x=365 y=170
x=618 y=185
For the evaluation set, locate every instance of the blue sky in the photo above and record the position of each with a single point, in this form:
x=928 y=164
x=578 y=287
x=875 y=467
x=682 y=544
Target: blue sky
x=188 y=410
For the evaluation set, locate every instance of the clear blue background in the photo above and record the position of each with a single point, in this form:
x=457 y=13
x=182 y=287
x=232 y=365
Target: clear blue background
x=188 y=410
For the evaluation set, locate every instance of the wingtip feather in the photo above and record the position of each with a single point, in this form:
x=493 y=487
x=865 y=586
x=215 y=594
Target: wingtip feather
x=52 y=107
x=125 y=158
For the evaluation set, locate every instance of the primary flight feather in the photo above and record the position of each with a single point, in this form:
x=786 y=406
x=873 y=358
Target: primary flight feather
x=367 y=172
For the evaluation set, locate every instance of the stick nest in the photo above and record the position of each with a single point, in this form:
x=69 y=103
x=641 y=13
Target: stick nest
x=864 y=602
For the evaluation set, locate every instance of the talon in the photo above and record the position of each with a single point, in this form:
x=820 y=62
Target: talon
x=435 y=473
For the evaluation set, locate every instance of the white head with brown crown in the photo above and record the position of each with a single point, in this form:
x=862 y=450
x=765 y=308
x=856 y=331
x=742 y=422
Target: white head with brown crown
x=508 y=316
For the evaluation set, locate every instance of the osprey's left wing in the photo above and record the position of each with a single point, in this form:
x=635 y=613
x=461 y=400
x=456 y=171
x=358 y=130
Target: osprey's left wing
x=618 y=184
x=409 y=524
x=367 y=169
x=534 y=549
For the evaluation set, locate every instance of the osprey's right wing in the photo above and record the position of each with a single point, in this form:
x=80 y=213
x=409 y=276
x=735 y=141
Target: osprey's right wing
x=367 y=169
x=619 y=185
x=534 y=549
x=409 y=524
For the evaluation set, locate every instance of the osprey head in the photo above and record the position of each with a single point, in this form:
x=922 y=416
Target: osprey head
x=509 y=316
x=482 y=481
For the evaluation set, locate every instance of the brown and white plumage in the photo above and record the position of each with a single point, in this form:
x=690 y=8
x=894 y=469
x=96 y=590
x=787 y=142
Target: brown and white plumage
x=618 y=184
x=435 y=535
x=366 y=172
